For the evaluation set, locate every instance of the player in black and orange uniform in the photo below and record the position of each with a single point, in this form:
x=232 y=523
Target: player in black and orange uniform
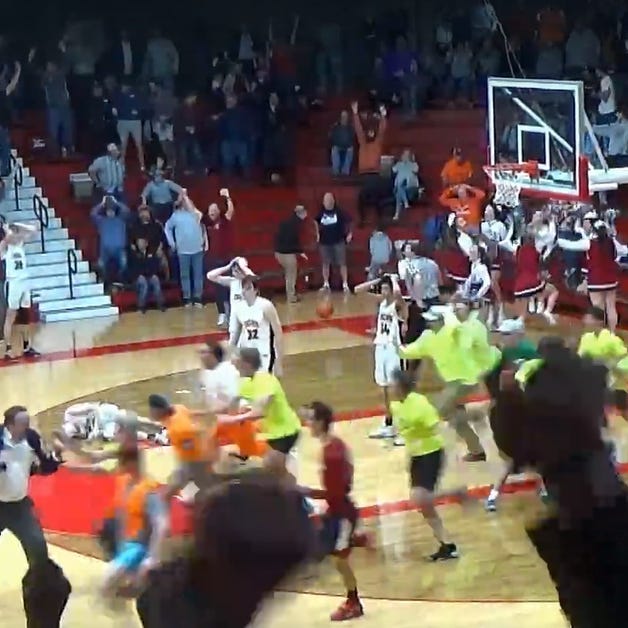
x=338 y=524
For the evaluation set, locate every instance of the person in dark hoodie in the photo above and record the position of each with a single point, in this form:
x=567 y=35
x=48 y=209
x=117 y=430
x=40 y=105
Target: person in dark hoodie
x=547 y=417
x=144 y=271
x=205 y=588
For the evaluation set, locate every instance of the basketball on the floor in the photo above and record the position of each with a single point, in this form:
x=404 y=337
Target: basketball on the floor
x=324 y=308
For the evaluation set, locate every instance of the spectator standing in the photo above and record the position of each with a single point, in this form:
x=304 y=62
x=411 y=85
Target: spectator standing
x=163 y=106
x=288 y=249
x=234 y=131
x=582 y=50
x=188 y=128
x=188 y=239
x=467 y=203
x=551 y=25
x=5 y=121
x=111 y=220
x=275 y=140
x=333 y=233
x=414 y=89
x=221 y=234
x=329 y=58
x=246 y=51
x=461 y=70
x=370 y=145
x=456 y=170
x=161 y=61
x=160 y=193
x=128 y=108
x=607 y=107
x=549 y=61
x=58 y=108
x=147 y=228
x=380 y=248
x=342 y=139
x=108 y=172
x=122 y=59
x=100 y=119
x=144 y=271
x=487 y=63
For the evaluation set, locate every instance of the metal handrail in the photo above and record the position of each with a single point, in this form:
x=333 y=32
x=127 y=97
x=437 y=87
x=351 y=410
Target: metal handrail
x=72 y=270
x=41 y=213
x=18 y=180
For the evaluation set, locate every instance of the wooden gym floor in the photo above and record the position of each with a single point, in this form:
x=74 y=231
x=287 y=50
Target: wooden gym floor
x=497 y=582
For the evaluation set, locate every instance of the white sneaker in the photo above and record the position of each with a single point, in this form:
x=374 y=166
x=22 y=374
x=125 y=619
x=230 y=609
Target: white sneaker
x=398 y=441
x=490 y=505
x=222 y=320
x=325 y=288
x=540 y=306
x=383 y=431
x=531 y=306
x=345 y=287
x=550 y=318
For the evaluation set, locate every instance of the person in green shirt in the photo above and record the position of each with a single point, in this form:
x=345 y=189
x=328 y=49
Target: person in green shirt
x=462 y=355
x=516 y=349
x=419 y=424
x=265 y=396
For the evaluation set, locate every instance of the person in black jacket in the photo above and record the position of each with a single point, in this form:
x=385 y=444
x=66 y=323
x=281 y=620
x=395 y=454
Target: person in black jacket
x=288 y=247
x=144 y=269
x=551 y=422
x=235 y=559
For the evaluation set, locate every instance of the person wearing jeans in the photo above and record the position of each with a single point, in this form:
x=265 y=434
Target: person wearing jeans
x=110 y=218
x=145 y=268
x=342 y=138
x=188 y=239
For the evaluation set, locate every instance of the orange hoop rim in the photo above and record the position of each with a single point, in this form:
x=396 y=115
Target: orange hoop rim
x=530 y=168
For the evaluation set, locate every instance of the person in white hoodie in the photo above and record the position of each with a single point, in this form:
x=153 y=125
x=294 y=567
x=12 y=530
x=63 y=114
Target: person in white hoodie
x=492 y=232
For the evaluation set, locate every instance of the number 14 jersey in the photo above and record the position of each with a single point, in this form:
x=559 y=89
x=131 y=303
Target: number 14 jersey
x=388 y=325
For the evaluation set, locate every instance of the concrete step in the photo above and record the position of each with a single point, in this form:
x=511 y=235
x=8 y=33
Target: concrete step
x=44 y=295
x=23 y=192
x=51 y=246
x=58 y=281
x=28 y=181
x=58 y=305
x=13 y=215
x=53 y=223
x=50 y=270
x=55 y=257
x=51 y=234
x=82 y=313
x=8 y=205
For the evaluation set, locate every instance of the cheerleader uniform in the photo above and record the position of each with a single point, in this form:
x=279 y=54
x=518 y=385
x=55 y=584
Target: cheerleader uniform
x=456 y=259
x=478 y=284
x=528 y=280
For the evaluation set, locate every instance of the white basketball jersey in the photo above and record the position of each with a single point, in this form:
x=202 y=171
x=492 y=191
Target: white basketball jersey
x=221 y=382
x=235 y=292
x=388 y=325
x=15 y=260
x=255 y=332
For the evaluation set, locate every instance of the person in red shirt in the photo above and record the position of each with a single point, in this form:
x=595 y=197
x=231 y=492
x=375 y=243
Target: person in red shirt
x=221 y=238
x=338 y=525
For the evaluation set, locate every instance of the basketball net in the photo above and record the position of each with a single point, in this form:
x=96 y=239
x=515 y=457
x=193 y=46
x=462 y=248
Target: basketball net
x=507 y=192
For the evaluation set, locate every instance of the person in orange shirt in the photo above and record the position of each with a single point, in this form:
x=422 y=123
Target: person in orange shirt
x=467 y=202
x=456 y=170
x=141 y=525
x=193 y=445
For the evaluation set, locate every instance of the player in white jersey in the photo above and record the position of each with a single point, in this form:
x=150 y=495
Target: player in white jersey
x=17 y=289
x=391 y=317
x=257 y=326
x=231 y=277
x=220 y=379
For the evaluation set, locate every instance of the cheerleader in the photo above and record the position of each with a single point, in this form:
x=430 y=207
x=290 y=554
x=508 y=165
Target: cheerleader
x=529 y=281
x=476 y=288
x=456 y=251
x=602 y=270
x=544 y=229
x=493 y=231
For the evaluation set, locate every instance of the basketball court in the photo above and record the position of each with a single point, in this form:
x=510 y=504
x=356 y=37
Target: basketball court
x=497 y=581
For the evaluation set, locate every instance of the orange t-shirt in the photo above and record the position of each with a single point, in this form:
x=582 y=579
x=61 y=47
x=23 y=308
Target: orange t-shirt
x=185 y=436
x=552 y=26
x=469 y=208
x=369 y=153
x=454 y=173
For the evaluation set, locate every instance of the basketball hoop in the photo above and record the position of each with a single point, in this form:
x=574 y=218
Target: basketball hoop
x=508 y=179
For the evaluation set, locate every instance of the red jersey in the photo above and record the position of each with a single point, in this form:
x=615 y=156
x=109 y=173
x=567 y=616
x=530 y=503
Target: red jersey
x=337 y=479
x=457 y=264
x=602 y=270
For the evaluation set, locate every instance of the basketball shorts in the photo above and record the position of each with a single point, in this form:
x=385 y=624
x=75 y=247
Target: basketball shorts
x=18 y=294
x=130 y=556
x=387 y=361
x=285 y=444
x=336 y=534
x=426 y=470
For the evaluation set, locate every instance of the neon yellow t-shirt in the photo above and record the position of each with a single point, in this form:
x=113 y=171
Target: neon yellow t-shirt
x=279 y=418
x=417 y=421
x=609 y=349
x=460 y=351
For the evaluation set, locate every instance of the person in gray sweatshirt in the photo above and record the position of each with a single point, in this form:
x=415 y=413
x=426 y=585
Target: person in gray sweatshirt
x=380 y=248
x=111 y=220
x=187 y=238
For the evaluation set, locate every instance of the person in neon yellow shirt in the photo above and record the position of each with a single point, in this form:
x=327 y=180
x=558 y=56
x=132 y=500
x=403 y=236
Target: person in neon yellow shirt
x=462 y=355
x=419 y=423
x=267 y=402
x=602 y=345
